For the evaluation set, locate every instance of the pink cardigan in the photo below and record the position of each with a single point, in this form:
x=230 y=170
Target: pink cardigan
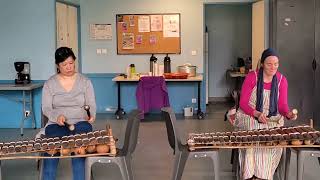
x=248 y=85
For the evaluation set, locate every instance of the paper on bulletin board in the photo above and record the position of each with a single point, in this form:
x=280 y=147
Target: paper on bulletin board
x=127 y=41
x=156 y=22
x=153 y=39
x=100 y=31
x=171 y=26
x=131 y=20
x=144 y=23
x=139 y=39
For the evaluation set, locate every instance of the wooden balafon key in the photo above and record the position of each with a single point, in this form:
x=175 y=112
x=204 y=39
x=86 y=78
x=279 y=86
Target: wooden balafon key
x=99 y=142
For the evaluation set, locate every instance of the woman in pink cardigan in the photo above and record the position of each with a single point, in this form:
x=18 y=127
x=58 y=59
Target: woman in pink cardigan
x=263 y=97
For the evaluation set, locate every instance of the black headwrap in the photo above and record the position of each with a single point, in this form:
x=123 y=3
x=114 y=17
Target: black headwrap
x=273 y=107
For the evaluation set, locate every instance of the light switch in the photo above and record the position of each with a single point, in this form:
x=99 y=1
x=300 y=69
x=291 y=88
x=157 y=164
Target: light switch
x=98 y=51
x=194 y=53
x=104 y=51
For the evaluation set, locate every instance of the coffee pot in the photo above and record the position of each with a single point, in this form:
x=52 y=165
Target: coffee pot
x=23 y=72
x=153 y=60
x=167 y=66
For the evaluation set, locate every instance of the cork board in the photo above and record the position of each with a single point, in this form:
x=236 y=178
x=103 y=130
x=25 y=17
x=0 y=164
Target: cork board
x=148 y=33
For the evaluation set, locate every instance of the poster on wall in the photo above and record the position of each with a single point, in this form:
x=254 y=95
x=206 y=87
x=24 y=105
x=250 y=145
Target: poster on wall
x=144 y=24
x=171 y=26
x=127 y=41
x=100 y=31
x=139 y=39
x=156 y=22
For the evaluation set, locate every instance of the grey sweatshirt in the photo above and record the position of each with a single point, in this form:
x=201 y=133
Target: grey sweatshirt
x=56 y=101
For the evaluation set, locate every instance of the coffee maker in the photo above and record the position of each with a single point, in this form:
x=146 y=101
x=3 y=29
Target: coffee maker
x=23 y=72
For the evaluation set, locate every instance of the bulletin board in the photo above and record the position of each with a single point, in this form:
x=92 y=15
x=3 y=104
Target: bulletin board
x=148 y=33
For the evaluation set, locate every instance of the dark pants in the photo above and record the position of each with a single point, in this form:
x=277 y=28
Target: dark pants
x=78 y=164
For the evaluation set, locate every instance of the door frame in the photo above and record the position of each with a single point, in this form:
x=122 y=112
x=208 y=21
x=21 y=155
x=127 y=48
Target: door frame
x=268 y=25
x=77 y=6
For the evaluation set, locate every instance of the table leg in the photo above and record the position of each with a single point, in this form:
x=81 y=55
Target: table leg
x=120 y=112
x=200 y=114
x=23 y=112
x=0 y=171
x=31 y=110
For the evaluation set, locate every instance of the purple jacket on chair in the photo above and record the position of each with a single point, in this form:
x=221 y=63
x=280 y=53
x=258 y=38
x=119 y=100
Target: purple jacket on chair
x=152 y=93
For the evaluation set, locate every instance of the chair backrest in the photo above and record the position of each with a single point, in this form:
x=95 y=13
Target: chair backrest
x=172 y=131
x=44 y=119
x=131 y=134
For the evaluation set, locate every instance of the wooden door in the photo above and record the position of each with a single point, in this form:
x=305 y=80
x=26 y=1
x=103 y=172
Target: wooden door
x=67 y=28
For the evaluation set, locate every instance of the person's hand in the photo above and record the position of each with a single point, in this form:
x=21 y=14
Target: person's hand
x=291 y=116
x=262 y=118
x=60 y=120
x=91 y=119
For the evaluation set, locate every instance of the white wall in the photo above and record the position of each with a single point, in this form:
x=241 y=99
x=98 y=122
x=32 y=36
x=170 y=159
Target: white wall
x=27 y=33
x=98 y=11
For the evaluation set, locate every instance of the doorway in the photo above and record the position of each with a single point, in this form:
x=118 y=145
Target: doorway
x=67 y=28
x=233 y=31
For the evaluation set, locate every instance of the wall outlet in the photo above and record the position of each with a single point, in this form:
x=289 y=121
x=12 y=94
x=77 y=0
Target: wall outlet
x=26 y=113
x=104 y=51
x=99 y=51
x=194 y=100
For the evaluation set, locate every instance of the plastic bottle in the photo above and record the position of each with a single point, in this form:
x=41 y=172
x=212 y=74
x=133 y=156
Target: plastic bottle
x=132 y=70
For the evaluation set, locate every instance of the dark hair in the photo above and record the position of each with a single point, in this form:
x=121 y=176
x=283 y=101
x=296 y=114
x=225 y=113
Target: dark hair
x=63 y=53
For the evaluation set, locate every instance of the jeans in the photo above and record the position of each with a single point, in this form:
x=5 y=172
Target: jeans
x=78 y=164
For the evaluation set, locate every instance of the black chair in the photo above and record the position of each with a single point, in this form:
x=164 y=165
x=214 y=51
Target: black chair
x=302 y=154
x=124 y=156
x=181 y=151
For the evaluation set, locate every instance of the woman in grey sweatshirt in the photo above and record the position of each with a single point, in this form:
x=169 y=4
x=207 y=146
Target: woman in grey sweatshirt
x=64 y=96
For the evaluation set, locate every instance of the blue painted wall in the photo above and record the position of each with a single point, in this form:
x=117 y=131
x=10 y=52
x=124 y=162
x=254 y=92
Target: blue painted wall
x=180 y=94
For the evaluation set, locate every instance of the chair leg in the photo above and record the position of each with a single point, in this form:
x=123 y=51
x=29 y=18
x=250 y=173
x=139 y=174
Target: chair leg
x=301 y=156
x=88 y=165
x=128 y=160
x=40 y=168
x=121 y=162
x=180 y=160
x=287 y=166
x=235 y=163
x=215 y=158
x=281 y=170
x=233 y=154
